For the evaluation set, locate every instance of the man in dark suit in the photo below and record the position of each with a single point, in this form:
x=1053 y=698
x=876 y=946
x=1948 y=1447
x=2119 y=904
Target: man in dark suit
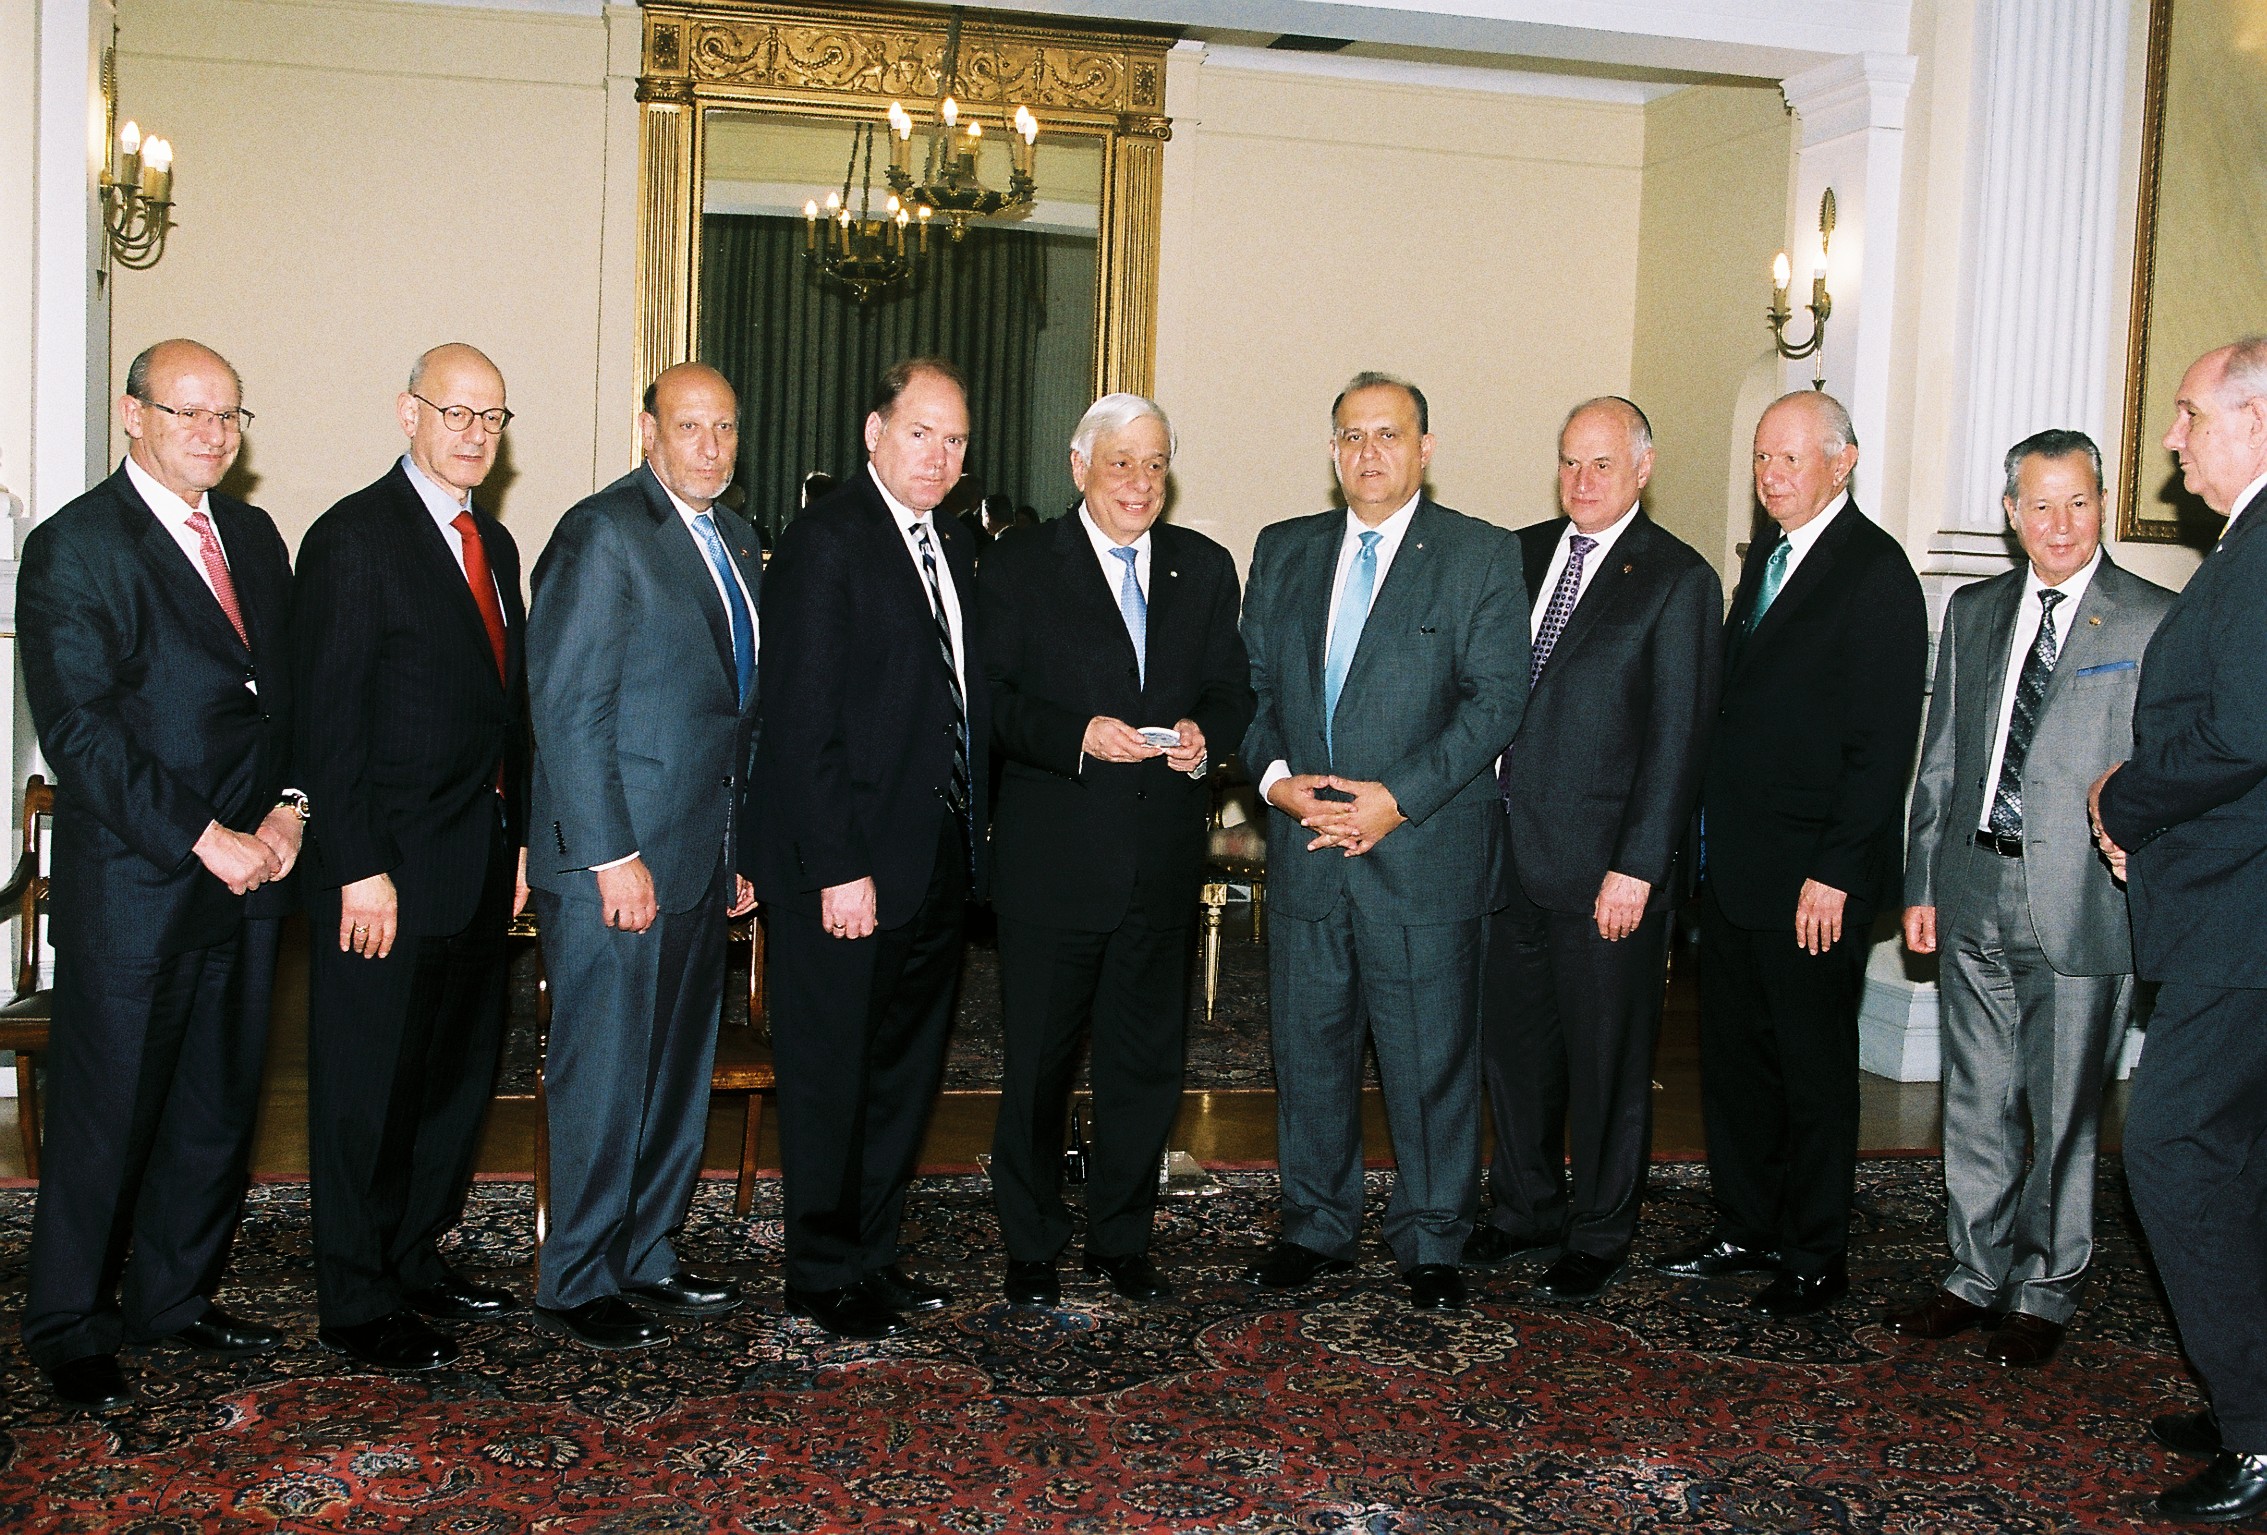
x=2186 y=819
x=2036 y=672
x=1389 y=652
x=870 y=841
x=641 y=669
x=1105 y=622
x=153 y=614
x=1599 y=786
x=1826 y=657
x=413 y=739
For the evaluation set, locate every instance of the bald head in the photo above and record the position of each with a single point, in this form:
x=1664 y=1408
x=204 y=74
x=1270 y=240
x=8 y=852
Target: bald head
x=453 y=381
x=691 y=431
x=2219 y=430
x=173 y=392
x=1805 y=451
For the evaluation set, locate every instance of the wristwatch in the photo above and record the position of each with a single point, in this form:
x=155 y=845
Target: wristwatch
x=297 y=803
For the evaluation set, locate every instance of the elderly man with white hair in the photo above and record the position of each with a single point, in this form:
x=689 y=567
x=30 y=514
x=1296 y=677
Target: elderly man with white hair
x=1116 y=673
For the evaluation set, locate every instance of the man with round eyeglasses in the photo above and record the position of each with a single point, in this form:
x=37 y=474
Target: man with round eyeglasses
x=153 y=613
x=414 y=746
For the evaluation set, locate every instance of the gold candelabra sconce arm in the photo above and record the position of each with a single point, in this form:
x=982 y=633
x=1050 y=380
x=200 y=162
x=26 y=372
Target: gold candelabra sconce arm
x=136 y=186
x=1821 y=302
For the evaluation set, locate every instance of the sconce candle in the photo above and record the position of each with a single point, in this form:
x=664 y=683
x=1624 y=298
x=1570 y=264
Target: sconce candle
x=157 y=171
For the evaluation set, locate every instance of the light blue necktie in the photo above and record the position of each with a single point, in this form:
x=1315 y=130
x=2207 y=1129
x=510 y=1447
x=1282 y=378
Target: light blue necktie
x=1135 y=609
x=735 y=605
x=1774 y=577
x=1346 y=628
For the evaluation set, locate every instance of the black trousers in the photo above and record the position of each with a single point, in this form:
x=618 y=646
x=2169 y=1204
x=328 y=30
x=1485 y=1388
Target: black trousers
x=152 y=1087
x=1779 y=1085
x=401 y=1064
x=626 y=1074
x=1131 y=985
x=858 y=1041
x=1568 y=1022
x=2194 y=1129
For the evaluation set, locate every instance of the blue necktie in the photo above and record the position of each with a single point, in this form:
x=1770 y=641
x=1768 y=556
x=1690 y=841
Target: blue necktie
x=735 y=605
x=1135 y=609
x=1346 y=628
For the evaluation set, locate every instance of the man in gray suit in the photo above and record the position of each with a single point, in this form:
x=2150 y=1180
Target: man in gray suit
x=2036 y=673
x=1388 y=646
x=641 y=664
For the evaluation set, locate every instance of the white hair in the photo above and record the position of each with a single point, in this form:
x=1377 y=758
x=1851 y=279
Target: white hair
x=2246 y=375
x=1114 y=413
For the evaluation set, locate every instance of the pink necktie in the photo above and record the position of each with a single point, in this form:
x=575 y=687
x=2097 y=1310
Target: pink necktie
x=216 y=567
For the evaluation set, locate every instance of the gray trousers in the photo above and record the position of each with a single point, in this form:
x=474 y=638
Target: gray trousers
x=2025 y=1053
x=1417 y=989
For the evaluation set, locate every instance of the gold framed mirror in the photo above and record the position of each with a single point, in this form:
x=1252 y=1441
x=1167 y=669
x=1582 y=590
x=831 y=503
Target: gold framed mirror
x=744 y=108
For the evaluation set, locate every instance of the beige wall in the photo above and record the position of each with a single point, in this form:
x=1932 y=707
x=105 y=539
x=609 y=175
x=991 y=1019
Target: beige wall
x=358 y=181
x=1715 y=187
x=1483 y=245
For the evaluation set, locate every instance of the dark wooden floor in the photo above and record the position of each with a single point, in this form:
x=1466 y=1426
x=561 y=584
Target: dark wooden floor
x=1220 y=1129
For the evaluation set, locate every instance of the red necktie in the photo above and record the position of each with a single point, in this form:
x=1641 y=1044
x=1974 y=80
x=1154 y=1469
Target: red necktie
x=483 y=585
x=216 y=570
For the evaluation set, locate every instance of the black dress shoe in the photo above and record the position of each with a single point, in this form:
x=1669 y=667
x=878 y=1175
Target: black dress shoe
x=2232 y=1487
x=607 y=1322
x=216 y=1332
x=684 y=1294
x=850 y=1312
x=1492 y=1247
x=1131 y=1275
x=1719 y=1255
x=457 y=1299
x=1579 y=1276
x=1032 y=1282
x=2023 y=1339
x=397 y=1342
x=1288 y=1266
x=900 y=1291
x=90 y=1384
x=1435 y=1287
x=1792 y=1294
x=2191 y=1433
x=1942 y=1315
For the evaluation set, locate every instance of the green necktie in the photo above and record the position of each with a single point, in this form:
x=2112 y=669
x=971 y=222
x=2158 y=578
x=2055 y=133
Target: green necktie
x=1774 y=577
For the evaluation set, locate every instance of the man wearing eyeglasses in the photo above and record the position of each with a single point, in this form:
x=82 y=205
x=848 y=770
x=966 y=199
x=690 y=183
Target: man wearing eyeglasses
x=412 y=737
x=153 y=613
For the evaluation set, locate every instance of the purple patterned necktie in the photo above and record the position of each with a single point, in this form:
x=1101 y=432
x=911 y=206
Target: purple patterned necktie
x=1563 y=595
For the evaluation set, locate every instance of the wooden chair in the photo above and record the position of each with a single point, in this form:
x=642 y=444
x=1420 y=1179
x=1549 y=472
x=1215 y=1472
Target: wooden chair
x=743 y=1065
x=25 y=1023
x=1235 y=853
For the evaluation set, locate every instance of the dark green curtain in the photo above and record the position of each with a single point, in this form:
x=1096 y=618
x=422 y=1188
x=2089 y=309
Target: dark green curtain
x=804 y=355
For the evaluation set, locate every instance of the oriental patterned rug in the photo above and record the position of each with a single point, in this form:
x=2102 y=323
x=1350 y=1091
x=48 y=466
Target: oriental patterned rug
x=1666 y=1406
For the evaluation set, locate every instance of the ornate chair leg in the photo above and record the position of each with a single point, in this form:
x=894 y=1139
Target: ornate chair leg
x=744 y=1191
x=1215 y=901
x=1259 y=909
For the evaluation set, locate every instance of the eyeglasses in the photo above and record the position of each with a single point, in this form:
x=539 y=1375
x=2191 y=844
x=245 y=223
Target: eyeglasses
x=196 y=416
x=457 y=417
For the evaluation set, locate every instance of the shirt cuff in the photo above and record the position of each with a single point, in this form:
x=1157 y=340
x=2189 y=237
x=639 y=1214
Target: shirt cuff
x=1277 y=771
x=615 y=863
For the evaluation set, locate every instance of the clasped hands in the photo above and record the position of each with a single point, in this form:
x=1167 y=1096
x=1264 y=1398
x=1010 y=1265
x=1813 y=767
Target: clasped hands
x=1354 y=823
x=2110 y=850
x=244 y=861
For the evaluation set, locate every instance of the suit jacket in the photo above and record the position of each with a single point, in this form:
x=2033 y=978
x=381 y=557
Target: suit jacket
x=1816 y=728
x=1606 y=765
x=642 y=744
x=2085 y=724
x=856 y=755
x=136 y=681
x=2190 y=806
x=407 y=723
x=1072 y=842
x=1436 y=688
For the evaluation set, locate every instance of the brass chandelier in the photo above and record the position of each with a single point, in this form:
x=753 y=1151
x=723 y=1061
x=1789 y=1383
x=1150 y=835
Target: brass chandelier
x=864 y=253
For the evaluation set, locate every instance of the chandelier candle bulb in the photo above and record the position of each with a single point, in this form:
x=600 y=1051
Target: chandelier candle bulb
x=810 y=226
x=1779 y=276
x=157 y=171
x=950 y=112
x=129 y=172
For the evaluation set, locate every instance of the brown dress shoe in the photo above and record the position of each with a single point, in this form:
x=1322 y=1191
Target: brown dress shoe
x=1940 y=1316
x=2024 y=1339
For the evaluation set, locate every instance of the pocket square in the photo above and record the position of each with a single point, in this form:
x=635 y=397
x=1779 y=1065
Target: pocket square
x=2107 y=666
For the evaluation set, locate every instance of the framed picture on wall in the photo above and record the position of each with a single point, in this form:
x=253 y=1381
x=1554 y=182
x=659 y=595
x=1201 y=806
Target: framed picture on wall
x=2198 y=279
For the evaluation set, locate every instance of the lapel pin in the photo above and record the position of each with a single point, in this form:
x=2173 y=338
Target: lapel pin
x=2095 y=619
x=1626 y=569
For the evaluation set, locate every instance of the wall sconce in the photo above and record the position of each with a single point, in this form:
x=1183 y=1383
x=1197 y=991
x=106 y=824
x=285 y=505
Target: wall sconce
x=137 y=184
x=1821 y=302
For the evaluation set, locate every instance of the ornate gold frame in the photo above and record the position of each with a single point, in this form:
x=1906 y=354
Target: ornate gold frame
x=2131 y=525
x=852 y=61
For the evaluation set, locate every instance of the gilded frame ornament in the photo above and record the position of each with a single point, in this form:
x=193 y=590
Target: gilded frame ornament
x=852 y=61
x=2132 y=525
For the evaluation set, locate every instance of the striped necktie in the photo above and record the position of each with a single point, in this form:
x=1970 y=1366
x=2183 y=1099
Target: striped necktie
x=957 y=796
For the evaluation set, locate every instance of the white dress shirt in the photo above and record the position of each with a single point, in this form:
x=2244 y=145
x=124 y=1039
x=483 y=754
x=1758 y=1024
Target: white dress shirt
x=908 y=520
x=444 y=511
x=2242 y=501
x=2026 y=634
x=1393 y=530
x=1113 y=568
x=173 y=515
x=1800 y=541
x=1592 y=562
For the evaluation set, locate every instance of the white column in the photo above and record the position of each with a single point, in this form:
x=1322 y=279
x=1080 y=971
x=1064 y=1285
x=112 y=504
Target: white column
x=1850 y=136
x=2039 y=314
